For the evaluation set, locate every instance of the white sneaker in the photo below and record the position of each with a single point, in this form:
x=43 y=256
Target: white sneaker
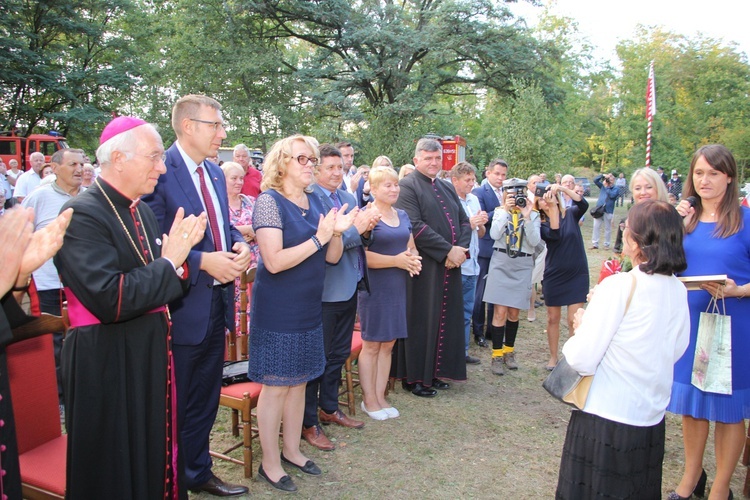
x=375 y=415
x=392 y=412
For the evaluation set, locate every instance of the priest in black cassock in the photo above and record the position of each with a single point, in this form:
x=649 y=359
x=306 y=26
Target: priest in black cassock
x=119 y=271
x=21 y=252
x=434 y=348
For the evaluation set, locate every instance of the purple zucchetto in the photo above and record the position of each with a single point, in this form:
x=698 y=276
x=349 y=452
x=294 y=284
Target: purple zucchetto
x=118 y=126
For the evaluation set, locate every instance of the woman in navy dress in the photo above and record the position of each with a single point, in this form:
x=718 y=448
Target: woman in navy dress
x=717 y=242
x=566 y=268
x=286 y=331
x=391 y=258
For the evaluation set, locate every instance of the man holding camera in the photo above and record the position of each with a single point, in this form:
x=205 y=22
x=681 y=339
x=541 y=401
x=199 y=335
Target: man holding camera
x=607 y=197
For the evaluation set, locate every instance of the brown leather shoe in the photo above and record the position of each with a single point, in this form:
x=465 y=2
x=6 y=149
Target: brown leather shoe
x=314 y=435
x=219 y=488
x=338 y=417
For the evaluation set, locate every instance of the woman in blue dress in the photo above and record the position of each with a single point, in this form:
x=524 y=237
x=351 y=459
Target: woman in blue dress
x=717 y=242
x=286 y=331
x=391 y=259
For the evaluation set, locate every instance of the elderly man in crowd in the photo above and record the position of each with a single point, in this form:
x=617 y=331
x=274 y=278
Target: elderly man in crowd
x=463 y=177
x=435 y=346
x=120 y=271
x=47 y=200
x=490 y=196
x=200 y=317
x=29 y=180
x=251 y=184
x=342 y=281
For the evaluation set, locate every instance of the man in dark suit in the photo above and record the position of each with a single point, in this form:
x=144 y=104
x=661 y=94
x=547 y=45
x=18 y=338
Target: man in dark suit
x=199 y=318
x=490 y=196
x=339 y=303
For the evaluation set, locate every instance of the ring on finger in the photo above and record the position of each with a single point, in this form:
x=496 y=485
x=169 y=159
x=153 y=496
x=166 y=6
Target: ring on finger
x=184 y=236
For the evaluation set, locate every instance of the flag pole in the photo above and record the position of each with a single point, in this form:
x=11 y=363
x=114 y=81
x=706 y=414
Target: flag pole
x=650 y=110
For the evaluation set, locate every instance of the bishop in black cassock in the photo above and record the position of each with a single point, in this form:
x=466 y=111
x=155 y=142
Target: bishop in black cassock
x=116 y=360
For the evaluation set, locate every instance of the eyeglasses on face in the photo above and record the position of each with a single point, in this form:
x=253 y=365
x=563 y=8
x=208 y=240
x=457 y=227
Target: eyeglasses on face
x=304 y=160
x=156 y=157
x=214 y=125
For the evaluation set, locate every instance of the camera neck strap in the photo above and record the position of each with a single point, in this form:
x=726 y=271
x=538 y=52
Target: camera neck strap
x=514 y=234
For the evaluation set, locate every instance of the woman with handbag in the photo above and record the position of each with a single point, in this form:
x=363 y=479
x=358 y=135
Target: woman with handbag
x=717 y=242
x=635 y=327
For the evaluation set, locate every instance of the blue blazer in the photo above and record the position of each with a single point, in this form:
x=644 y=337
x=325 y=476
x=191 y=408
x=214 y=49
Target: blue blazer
x=175 y=189
x=341 y=278
x=488 y=202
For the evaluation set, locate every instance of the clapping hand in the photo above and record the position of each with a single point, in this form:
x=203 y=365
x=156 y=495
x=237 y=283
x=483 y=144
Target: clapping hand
x=45 y=243
x=343 y=220
x=184 y=234
x=366 y=219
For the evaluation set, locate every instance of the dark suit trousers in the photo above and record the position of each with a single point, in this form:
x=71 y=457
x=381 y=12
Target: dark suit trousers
x=338 y=324
x=479 y=305
x=49 y=302
x=198 y=370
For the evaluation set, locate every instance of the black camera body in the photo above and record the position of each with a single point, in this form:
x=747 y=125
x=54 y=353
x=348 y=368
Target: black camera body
x=517 y=189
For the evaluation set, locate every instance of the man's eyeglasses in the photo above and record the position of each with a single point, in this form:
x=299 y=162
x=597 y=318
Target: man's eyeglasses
x=156 y=157
x=304 y=160
x=215 y=125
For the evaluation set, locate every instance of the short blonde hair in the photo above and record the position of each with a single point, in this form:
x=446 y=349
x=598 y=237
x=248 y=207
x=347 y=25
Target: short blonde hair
x=380 y=174
x=188 y=107
x=406 y=170
x=228 y=166
x=279 y=156
x=382 y=161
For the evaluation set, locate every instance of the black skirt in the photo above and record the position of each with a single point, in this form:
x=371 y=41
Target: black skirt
x=606 y=459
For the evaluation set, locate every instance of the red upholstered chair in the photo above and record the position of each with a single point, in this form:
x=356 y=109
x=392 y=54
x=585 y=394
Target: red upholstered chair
x=350 y=378
x=41 y=445
x=241 y=398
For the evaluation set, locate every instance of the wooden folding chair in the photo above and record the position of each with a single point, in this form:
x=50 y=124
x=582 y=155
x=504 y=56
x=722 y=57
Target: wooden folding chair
x=350 y=378
x=241 y=398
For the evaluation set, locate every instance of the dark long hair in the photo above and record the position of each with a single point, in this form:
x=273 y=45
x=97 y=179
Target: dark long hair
x=729 y=217
x=657 y=230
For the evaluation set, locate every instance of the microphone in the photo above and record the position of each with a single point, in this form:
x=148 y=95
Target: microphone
x=691 y=201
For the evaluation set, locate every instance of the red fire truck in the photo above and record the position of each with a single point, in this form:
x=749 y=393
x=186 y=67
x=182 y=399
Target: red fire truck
x=454 y=149
x=15 y=147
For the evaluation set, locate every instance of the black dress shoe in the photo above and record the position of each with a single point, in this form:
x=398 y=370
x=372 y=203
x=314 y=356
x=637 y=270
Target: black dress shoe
x=219 y=488
x=471 y=360
x=440 y=384
x=283 y=484
x=423 y=392
x=407 y=386
x=308 y=468
x=480 y=340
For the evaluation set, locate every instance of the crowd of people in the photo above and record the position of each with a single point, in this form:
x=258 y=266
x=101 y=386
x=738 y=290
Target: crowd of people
x=423 y=258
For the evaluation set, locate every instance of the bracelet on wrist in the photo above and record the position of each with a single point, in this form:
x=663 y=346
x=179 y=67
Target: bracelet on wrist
x=743 y=292
x=317 y=242
x=337 y=235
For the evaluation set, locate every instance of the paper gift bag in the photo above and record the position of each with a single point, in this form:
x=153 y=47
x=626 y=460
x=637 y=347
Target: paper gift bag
x=712 y=365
